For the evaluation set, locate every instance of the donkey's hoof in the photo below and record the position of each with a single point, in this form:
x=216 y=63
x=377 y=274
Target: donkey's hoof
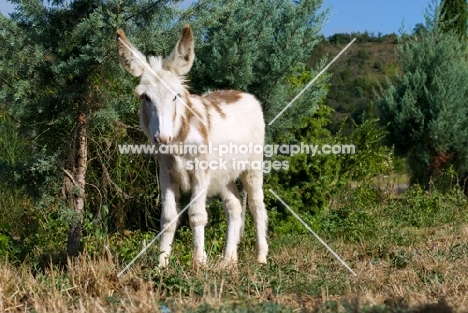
x=163 y=261
x=261 y=260
x=228 y=263
x=200 y=261
x=199 y=265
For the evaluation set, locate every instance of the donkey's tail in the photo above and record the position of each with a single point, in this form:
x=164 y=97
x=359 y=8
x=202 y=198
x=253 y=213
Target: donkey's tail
x=244 y=208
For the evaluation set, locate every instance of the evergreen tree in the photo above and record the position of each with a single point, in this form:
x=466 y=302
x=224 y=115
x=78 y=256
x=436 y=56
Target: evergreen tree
x=62 y=85
x=254 y=46
x=425 y=107
x=61 y=81
x=455 y=16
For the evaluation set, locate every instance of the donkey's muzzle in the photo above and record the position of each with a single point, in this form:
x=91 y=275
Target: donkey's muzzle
x=162 y=139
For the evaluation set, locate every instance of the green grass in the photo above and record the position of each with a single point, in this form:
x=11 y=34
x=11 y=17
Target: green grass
x=409 y=252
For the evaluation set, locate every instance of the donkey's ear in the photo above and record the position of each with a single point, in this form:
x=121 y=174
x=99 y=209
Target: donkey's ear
x=130 y=58
x=181 y=59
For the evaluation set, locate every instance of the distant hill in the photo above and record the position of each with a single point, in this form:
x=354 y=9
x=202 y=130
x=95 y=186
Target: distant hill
x=357 y=72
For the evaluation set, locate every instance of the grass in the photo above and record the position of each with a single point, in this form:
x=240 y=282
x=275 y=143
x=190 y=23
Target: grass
x=410 y=253
x=301 y=275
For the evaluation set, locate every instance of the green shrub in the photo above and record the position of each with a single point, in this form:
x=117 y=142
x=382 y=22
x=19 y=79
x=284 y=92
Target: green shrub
x=355 y=220
x=4 y=245
x=312 y=183
x=363 y=55
x=419 y=208
x=378 y=65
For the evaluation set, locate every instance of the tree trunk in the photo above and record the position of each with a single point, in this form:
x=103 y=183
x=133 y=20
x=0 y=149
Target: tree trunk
x=74 y=184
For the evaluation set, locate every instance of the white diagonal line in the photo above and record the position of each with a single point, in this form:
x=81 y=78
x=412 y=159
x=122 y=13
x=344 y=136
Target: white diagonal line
x=311 y=82
x=145 y=64
x=160 y=233
x=313 y=233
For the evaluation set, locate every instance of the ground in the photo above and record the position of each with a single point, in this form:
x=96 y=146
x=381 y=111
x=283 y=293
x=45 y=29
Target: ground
x=301 y=276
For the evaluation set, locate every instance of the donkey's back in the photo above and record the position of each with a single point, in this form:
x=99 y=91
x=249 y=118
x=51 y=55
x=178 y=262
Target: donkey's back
x=239 y=117
x=235 y=136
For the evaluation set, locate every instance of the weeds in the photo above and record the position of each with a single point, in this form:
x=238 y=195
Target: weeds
x=409 y=251
x=300 y=274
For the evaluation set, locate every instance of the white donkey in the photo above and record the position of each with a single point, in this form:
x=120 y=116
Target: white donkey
x=170 y=115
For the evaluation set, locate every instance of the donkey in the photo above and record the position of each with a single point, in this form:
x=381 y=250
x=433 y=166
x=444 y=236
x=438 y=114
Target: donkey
x=170 y=115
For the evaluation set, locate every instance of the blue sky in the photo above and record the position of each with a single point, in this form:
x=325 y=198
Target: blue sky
x=385 y=16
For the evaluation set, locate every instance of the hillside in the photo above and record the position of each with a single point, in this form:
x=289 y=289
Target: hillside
x=357 y=72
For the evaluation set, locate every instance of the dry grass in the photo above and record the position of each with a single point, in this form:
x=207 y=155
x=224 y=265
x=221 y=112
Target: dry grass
x=86 y=286
x=300 y=275
x=425 y=273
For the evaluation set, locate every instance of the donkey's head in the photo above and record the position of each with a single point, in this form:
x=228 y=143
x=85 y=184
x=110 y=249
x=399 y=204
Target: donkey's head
x=161 y=84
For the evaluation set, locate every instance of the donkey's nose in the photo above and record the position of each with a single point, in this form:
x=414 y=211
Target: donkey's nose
x=162 y=139
x=165 y=140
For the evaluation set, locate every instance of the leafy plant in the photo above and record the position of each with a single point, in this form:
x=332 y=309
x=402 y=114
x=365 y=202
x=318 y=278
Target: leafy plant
x=311 y=182
x=421 y=208
x=424 y=107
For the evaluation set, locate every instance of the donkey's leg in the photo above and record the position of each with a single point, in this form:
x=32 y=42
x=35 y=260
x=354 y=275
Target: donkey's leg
x=198 y=216
x=252 y=181
x=170 y=196
x=233 y=209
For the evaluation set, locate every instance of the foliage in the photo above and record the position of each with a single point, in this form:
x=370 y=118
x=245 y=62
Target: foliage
x=455 y=17
x=59 y=62
x=344 y=38
x=419 y=208
x=425 y=107
x=59 y=70
x=413 y=241
x=128 y=244
x=312 y=181
x=254 y=46
x=352 y=221
x=355 y=74
x=4 y=245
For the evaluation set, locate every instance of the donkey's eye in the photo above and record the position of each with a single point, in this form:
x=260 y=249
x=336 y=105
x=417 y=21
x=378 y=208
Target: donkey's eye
x=175 y=98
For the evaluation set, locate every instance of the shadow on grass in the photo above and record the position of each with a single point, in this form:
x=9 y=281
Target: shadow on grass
x=328 y=307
